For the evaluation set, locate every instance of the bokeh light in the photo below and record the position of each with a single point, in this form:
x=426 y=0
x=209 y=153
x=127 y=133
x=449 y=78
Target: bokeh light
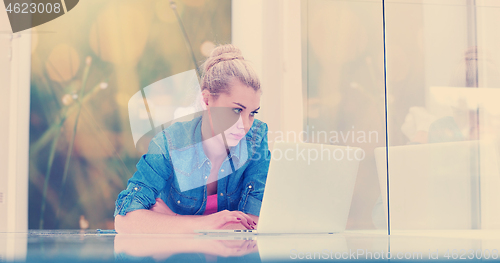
x=63 y=63
x=120 y=32
x=207 y=47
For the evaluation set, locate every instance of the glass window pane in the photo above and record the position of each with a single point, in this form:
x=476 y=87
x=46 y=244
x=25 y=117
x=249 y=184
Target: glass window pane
x=441 y=81
x=344 y=74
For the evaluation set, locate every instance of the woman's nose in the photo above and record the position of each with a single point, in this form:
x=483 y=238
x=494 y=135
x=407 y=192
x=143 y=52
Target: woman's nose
x=240 y=124
x=245 y=123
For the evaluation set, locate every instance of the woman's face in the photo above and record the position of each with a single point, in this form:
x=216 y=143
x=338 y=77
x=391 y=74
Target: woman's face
x=236 y=110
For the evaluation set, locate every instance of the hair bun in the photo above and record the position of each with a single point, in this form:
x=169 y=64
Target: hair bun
x=225 y=49
x=217 y=77
x=223 y=53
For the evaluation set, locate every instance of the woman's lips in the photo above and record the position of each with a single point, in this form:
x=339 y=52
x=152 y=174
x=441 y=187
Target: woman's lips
x=237 y=136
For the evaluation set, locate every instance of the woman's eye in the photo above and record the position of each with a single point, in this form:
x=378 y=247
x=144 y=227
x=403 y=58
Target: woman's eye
x=253 y=113
x=237 y=111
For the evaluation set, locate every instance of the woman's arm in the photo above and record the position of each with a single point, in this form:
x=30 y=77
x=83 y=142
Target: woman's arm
x=144 y=221
x=160 y=219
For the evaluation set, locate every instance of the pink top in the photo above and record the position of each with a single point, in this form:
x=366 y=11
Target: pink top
x=211 y=204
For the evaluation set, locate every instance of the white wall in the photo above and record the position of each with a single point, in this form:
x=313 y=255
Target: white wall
x=269 y=35
x=15 y=59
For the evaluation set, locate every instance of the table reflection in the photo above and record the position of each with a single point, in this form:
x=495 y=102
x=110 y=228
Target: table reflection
x=106 y=246
x=163 y=247
x=251 y=248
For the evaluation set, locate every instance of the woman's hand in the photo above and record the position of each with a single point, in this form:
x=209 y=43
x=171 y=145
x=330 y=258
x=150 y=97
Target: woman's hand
x=254 y=218
x=233 y=226
x=220 y=219
x=240 y=225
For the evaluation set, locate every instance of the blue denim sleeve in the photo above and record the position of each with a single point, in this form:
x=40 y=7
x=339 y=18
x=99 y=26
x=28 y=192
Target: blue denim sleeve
x=153 y=170
x=255 y=175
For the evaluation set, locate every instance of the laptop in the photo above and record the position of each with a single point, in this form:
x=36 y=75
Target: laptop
x=450 y=185
x=309 y=189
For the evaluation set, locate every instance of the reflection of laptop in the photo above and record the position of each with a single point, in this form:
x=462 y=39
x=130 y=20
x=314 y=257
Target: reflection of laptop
x=437 y=186
x=308 y=190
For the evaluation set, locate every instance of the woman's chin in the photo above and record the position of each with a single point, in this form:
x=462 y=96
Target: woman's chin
x=231 y=142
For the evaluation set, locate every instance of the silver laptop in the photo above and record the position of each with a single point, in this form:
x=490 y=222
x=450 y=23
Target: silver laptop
x=309 y=189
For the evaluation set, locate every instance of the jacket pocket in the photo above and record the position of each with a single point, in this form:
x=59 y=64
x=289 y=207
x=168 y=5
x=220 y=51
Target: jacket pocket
x=181 y=200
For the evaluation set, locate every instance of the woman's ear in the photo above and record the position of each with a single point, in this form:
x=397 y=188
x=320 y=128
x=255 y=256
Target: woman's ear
x=204 y=98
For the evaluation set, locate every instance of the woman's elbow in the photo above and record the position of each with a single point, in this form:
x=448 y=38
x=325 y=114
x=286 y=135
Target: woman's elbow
x=120 y=224
x=130 y=223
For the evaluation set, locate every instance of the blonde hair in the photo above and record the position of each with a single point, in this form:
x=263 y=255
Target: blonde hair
x=226 y=64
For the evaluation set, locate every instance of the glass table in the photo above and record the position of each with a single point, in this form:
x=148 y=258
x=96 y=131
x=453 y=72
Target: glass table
x=107 y=246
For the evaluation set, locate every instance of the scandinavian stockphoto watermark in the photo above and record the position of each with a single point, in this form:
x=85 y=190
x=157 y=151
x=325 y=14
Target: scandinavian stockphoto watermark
x=311 y=135
x=320 y=153
x=323 y=152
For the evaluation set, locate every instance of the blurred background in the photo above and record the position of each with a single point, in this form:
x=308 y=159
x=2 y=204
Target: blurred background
x=414 y=83
x=102 y=53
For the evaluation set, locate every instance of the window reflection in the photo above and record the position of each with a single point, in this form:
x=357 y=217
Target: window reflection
x=442 y=116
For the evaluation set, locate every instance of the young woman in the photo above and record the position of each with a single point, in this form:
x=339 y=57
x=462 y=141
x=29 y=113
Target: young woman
x=207 y=173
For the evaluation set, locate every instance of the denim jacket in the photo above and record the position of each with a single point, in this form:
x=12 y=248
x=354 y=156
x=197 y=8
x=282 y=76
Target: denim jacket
x=176 y=169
